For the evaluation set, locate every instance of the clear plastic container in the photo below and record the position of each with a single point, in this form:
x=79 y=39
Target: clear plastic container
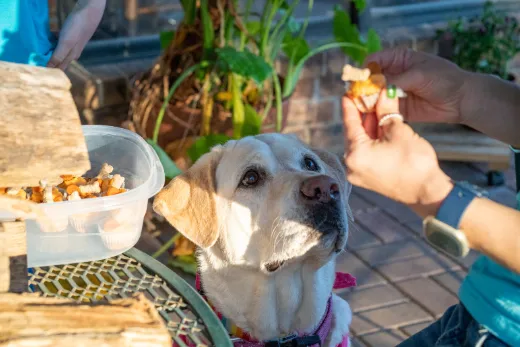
x=99 y=228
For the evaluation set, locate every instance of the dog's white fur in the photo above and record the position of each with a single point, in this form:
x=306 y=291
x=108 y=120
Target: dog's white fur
x=239 y=230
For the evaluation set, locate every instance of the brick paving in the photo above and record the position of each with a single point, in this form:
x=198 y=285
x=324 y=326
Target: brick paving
x=403 y=284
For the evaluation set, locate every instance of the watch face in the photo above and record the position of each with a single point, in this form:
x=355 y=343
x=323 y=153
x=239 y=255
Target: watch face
x=445 y=242
x=445 y=238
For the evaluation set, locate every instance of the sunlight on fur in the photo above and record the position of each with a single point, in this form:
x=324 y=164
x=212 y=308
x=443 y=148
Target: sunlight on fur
x=270 y=216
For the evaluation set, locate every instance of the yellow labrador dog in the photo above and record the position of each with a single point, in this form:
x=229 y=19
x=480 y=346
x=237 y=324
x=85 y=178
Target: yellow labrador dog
x=269 y=216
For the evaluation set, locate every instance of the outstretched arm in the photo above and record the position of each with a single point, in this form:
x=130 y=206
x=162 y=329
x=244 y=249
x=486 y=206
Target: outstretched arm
x=492 y=106
x=490 y=228
x=79 y=27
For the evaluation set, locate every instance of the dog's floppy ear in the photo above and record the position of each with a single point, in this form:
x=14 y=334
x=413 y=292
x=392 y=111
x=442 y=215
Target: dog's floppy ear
x=188 y=201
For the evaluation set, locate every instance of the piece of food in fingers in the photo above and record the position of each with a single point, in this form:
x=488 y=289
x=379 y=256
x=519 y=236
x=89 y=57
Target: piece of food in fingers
x=365 y=85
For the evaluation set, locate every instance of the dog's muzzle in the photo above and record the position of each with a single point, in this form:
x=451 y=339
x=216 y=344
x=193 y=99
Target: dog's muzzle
x=320 y=189
x=325 y=213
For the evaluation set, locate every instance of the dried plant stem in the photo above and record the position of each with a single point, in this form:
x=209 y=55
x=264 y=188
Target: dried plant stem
x=166 y=102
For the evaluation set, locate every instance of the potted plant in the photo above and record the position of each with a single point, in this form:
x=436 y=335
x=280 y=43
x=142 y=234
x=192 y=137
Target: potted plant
x=482 y=44
x=216 y=79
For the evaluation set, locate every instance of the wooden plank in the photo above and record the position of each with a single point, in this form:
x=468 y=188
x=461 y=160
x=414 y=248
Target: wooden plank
x=13 y=257
x=30 y=320
x=40 y=129
x=457 y=143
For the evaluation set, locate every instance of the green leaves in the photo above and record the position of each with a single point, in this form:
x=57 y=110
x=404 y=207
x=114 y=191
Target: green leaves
x=252 y=121
x=295 y=48
x=190 y=10
x=186 y=263
x=204 y=144
x=245 y=63
x=287 y=19
x=208 y=32
x=360 y=5
x=170 y=169
x=166 y=37
x=283 y=4
x=373 y=41
x=238 y=106
x=253 y=27
x=345 y=31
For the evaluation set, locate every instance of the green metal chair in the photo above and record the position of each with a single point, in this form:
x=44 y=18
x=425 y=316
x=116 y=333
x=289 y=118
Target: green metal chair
x=187 y=316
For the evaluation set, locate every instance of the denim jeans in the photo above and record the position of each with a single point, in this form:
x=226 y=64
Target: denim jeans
x=455 y=328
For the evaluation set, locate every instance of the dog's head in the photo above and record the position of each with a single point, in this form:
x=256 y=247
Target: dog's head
x=261 y=201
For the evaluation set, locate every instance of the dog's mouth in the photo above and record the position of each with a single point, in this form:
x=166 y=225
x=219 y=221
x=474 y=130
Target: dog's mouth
x=327 y=221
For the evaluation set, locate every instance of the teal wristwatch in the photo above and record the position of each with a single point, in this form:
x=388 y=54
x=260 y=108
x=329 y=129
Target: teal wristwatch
x=442 y=231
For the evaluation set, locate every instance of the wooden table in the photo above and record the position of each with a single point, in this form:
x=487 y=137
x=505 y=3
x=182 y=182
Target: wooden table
x=455 y=142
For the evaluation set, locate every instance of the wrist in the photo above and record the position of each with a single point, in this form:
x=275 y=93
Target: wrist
x=469 y=96
x=432 y=195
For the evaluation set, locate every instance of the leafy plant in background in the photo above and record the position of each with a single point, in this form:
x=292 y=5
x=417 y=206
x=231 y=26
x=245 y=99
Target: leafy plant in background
x=237 y=69
x=484 y=44
x=233 y=67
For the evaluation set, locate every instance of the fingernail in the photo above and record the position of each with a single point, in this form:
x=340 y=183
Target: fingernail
x=391 y=91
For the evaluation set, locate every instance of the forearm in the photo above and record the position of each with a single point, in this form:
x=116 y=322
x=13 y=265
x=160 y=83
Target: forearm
x=81 y=4
x=494 y=230
x=492 y=106
x=490 y=228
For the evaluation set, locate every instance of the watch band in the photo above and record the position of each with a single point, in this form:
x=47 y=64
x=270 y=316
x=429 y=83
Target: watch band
x=453 y=207
x=516 y=152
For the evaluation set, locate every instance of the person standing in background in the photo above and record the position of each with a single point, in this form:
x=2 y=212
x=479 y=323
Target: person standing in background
x=25 y=36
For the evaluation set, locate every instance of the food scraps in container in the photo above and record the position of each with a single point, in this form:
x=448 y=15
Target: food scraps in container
x=72 y=188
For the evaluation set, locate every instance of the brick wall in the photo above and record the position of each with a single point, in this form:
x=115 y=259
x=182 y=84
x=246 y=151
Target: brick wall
x=315 y=107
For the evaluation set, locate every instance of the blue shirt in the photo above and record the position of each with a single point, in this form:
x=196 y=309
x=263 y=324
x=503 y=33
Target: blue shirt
x=25 y=35
x=491 y=293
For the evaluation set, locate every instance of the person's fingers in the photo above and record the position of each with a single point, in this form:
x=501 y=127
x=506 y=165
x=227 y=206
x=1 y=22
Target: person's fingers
x=354 y=131
x=370 y=123
x=61 y=52
x=54 y=61
x=68 y=59
x=388 y=102
x=392 y=61
x=399 y=67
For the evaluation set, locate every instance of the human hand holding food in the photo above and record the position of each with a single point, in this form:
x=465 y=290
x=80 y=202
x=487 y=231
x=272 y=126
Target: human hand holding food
x=435 y=87
x=385 y=155
x=394 y=161
x=79 y=27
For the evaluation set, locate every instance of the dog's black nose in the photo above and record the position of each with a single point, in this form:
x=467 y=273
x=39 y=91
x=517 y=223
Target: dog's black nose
x=320 y=189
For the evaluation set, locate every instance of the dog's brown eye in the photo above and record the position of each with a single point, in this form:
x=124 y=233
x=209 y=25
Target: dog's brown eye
x=250 y=178
x=310 y=164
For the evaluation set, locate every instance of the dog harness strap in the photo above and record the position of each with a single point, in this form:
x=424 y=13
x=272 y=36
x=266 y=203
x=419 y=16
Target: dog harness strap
x=312 y=340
